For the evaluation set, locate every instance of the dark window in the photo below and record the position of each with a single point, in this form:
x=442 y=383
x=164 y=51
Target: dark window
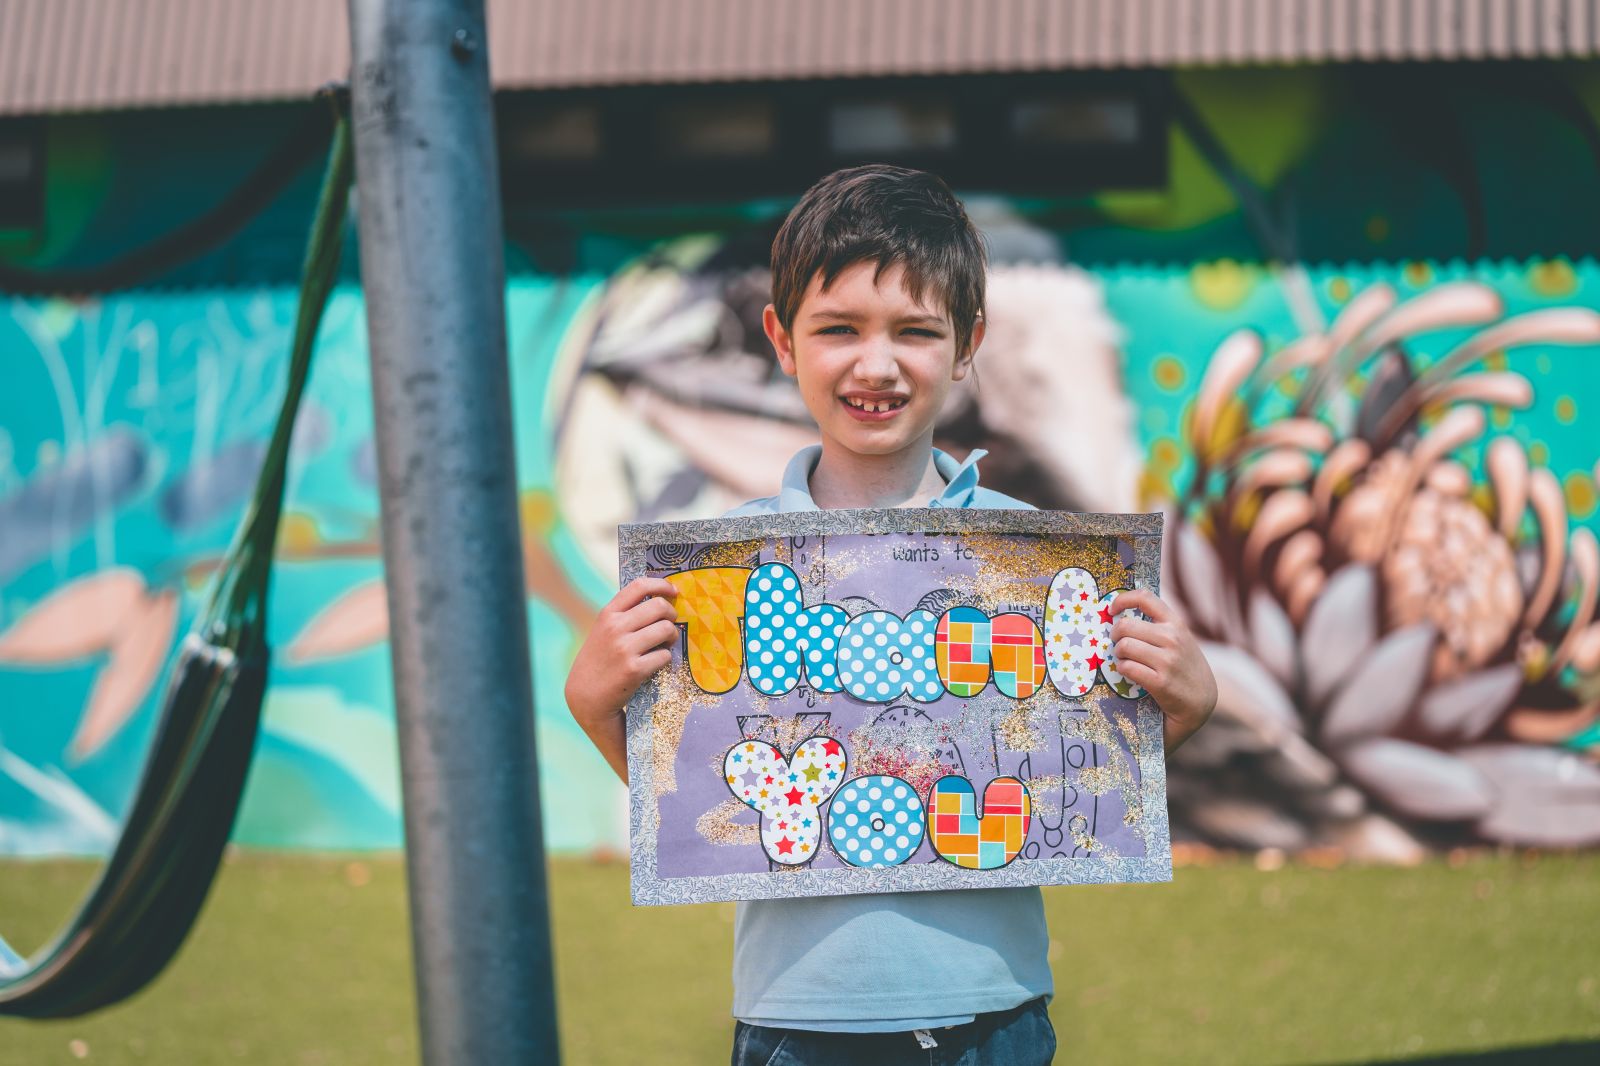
x=1058 y=134
x=890 y=126
x=564 y=133
x=711 y=128
x=21 y=174
x=1066 y=120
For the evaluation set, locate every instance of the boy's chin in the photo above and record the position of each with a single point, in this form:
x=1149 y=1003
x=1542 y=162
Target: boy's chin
x=878 y=444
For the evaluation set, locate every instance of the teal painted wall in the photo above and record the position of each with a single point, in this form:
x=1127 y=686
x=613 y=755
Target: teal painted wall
x=131 y=427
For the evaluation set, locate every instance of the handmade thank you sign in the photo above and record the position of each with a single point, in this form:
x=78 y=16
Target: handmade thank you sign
x=893 y=701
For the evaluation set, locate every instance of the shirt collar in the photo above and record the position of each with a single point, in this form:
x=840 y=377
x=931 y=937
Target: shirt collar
x=961 y=479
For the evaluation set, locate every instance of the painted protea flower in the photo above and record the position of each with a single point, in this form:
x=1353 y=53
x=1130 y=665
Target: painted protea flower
x=1400 y=649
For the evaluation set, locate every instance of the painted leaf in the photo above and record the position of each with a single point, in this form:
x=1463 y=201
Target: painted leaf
x=1465 y=708
x=1248 y=694
x=1382 y=687
x=1418 y=781
x=81 y=618
x=1544 y=797
x=355 y=621
x=127 y=678
x=1340 y=628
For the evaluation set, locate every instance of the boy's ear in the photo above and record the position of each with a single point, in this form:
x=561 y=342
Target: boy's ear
x=782 y=340
x=964 y=362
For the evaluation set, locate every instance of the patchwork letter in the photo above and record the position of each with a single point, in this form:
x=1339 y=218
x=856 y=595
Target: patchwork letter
x=1017 y=650
x=978 y=842
x=961 y=647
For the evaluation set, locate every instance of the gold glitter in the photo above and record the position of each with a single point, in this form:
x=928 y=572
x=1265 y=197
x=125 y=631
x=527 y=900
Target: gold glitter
x=1078 y=826
x=676 y=695
x=718 y=826
x=832 y=565
x=1117 y=773
x=1043 y=787
x=1018 y=728
x=733 y=553
x=1011 y=567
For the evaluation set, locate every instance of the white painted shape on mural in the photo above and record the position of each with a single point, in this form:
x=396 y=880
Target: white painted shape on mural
x=1043 y=319
x=359 y=738
x=82 y=828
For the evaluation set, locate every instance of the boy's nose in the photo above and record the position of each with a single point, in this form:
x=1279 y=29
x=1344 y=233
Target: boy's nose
x=876 y=364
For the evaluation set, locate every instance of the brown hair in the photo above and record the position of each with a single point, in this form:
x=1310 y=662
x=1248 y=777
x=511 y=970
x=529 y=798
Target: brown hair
x=889 y=215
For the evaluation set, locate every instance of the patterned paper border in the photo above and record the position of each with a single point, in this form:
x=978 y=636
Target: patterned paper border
x=1144 y=530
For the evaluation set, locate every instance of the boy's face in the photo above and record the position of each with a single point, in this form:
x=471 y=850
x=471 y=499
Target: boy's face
x=873 y=365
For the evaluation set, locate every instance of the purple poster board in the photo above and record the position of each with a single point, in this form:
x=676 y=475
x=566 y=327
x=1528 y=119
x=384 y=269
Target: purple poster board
x=891 y=701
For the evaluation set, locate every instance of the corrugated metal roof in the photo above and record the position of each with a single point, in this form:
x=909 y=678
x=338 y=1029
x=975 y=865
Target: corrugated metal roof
x=75 y=55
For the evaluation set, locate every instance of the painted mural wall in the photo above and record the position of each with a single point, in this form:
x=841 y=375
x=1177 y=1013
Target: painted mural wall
x=1351 y=353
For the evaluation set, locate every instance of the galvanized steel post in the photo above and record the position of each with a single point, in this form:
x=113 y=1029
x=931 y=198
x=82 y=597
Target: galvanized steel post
x=431 y=265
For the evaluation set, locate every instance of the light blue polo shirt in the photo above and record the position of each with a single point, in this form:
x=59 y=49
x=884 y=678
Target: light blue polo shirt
x=898 y=961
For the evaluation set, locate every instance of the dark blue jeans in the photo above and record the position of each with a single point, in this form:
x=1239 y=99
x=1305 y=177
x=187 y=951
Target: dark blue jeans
x=1021 y=1036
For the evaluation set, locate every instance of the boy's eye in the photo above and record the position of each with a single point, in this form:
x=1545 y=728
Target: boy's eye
x=837 y=329
x=924 y=332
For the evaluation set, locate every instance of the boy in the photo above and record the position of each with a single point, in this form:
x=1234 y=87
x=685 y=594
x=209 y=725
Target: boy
x=878 y=289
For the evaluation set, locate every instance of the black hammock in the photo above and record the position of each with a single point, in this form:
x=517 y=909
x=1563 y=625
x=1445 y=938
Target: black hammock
x=138 y=913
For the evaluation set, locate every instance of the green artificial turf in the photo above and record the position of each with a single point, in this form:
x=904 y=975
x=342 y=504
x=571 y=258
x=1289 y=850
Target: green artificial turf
x=300 y=960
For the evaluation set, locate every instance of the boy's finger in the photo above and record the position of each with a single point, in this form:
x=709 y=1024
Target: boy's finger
x=661 y=634
x=1134 y=650
x=639 y=589
x=1132 y=626
x=1140 y=674
x=655 y=660
x=652 y=610
x=1153 y=606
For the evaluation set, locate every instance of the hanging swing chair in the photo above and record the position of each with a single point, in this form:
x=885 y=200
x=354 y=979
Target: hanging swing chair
x=137 y=914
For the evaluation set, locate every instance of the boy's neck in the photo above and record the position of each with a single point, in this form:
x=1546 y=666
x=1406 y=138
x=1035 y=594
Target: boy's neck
x=845 y=479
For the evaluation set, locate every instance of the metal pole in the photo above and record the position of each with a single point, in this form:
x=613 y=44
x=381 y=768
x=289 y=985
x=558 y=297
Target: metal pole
x=429 y=221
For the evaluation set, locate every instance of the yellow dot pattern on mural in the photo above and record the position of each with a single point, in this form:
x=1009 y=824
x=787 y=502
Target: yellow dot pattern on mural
x=1168 y=373
x=1418 y=273
x=538 y=511
x=711 y=604
x=298 y=534
x=1339 y=289
x=1566 y=410
x=1539 y=453
x=1580 y=492
x=1165 y=453
x=1553 y=277
x=1223 y=285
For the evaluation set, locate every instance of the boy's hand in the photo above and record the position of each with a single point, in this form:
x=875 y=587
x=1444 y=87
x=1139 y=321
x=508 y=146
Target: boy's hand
x=631 y=639
x=1158 y=653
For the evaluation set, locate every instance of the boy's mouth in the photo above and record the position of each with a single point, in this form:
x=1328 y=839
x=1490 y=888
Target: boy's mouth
x=872 y=409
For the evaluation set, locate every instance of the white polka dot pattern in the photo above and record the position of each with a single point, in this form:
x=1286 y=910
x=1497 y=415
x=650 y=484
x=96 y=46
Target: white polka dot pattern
x=883 y=656
x=784 y=641
x=875 y=822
